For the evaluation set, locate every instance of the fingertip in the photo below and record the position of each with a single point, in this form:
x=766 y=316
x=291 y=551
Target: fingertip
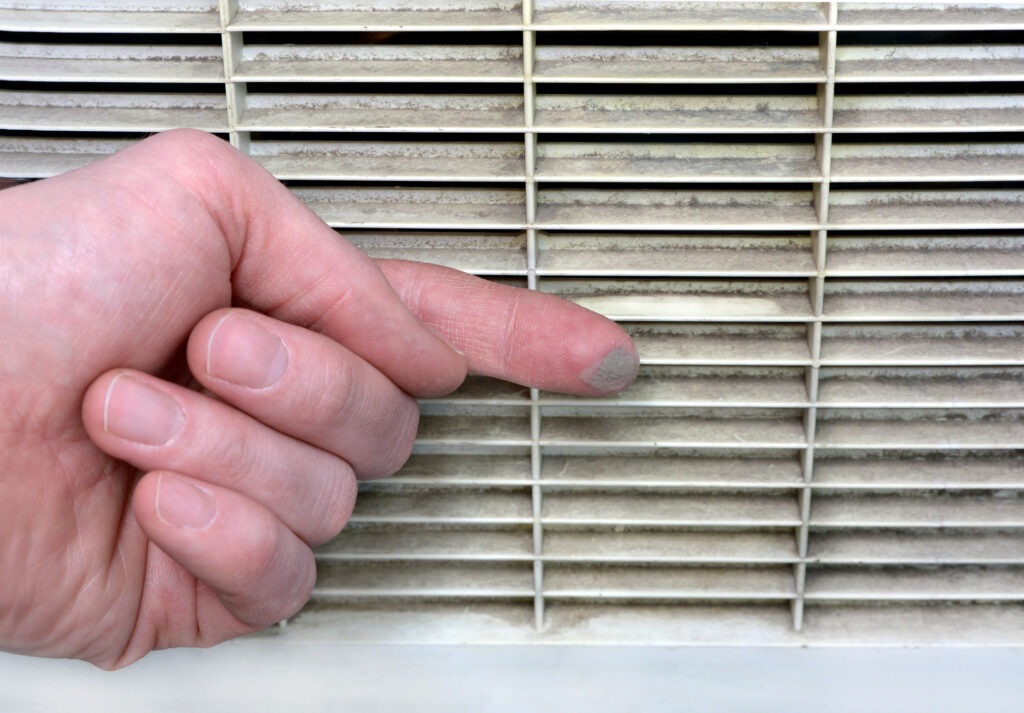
x=615 y=370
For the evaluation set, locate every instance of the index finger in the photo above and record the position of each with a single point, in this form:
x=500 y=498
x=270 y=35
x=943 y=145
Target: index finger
x=524 y=336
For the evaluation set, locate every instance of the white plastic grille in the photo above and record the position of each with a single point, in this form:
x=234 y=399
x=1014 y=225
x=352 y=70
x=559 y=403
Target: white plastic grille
x=809 y=215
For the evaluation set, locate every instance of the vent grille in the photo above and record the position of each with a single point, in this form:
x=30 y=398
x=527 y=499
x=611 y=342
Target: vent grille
x=810 y=216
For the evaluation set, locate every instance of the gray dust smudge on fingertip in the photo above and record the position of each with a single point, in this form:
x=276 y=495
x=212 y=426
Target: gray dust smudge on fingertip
x=614 y=372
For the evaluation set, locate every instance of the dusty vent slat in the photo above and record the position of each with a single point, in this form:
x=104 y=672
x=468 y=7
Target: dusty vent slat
x=46 y=62
x=918 y=548
x=417 y=207
x=40 y=158
x=931 y=161
x=380 y=63
x=757 y=471
x=120 y=16
x=352 y=112
x=918 y=511
x=691 y=300
x=924 y=112
x=423 y=580
x=926 y=255
x=625 y=583
x=479 y=253
x=385 y=15
x=402 y=541
x=922 y=343
x=952 y=388
x=600 y=161
x=638 y=113
x=889 y=471
x=945 y=63
x=622 y=254
x=924 y=300
x=391 y=160
x=726 y=344
x=693 y=547
x=660 y=209
x=953 y=429
x=930 y=15
x=647 y=15
x=927 y=209
x=977 y=584
x=677 y=65
x=27 y=110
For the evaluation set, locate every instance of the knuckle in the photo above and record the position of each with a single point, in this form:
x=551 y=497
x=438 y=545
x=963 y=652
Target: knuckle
x=331 y=396
x=263 y=555
x=357 y=415
x=399 y=439
x=334 y=508
x=241 y=455
x=292 y=572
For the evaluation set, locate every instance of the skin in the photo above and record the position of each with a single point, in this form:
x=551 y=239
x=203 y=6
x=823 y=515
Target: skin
x=194 y=371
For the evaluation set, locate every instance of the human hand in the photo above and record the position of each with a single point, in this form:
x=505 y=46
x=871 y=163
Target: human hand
x=194 y=370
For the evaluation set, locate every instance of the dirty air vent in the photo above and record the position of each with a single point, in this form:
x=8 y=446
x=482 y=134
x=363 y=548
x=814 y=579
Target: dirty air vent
x=809 y=215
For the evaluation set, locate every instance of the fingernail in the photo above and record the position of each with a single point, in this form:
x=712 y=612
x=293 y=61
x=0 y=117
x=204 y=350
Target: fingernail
x=137 y=412
x=614 y=372
x=182 y=504
x=242 y=352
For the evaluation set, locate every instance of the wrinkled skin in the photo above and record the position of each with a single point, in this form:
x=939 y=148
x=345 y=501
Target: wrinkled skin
x=122 y=273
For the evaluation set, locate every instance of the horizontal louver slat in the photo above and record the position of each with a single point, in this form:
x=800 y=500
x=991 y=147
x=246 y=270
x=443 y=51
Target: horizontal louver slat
x=960 y=470
x=926 y=256
x=660 y=209
x=391 y=161
x=675 y=65
x=648 y=15
x=105 y=111
x=917 y=511
x=930 y=161
x=950 y=388
x=661 y=163
x=679 y=547
x=663 y=583
x=115 y=16
x=943 y=429
x=948 y=63
x=685 y=113
x=480 y=254
x=417 y=207
x=923 y=344
x=930 y=15
x=921 y=547
x=667 y=255
x=381 y=15
x=922 y=112
x=726 y=344
x=352 y=112
x=40 y=158
x=380 y=63
x=111 y=63
x=976 y=584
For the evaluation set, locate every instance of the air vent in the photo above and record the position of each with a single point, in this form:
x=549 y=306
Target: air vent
x=810 y=216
